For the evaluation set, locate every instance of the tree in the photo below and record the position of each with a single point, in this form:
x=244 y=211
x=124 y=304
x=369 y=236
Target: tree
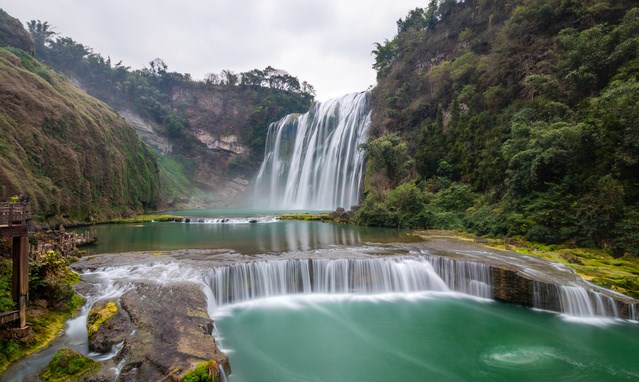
x=384 y=56
x=42 y=34
x=388 y=154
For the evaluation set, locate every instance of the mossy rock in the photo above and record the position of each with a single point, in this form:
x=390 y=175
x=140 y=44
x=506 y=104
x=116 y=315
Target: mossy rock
x=99 y=314
x=67 y=365
x=203 y=372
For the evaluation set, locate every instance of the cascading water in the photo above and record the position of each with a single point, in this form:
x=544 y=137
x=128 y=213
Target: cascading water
x=245 y=281
x=577 y=301
x=462 y=276
x=312 y=161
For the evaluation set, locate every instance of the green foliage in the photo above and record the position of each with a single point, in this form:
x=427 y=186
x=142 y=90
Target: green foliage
x=520 y=119
x=69 y=152
x=68 y=365
x=51 y=279
x=203 y=372
x=6 y=282
x=388 y=155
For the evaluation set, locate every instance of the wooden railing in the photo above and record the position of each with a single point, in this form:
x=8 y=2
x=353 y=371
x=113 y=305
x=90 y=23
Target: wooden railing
x=17 y=213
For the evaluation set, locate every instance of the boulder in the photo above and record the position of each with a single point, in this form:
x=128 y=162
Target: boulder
x=107 y=325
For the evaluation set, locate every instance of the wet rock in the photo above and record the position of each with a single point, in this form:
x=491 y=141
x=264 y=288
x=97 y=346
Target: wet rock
x=107 y=326
x=171 y=333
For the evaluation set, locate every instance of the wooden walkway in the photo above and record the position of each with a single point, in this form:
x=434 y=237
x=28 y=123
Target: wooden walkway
x=15 y=223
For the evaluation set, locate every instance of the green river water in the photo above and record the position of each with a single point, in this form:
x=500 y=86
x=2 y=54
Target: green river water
x=422 y=337
x=432 y=338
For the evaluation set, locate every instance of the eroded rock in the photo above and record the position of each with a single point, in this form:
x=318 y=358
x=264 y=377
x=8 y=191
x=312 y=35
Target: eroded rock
x=172 y=332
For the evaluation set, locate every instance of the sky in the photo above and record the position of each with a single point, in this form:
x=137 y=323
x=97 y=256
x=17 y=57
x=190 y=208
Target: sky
x=327 y=43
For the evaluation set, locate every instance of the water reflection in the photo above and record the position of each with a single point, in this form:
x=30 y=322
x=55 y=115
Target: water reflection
x=244 y=237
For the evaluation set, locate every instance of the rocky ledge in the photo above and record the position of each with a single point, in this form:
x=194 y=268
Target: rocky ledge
x=159 y=331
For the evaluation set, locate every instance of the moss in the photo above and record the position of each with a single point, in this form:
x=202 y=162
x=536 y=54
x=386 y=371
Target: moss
x=45 y=327
x=203 y=372
x=143 y=219
x=594 y=265
x=99 y=314
x=305 y=217
x=68 y=365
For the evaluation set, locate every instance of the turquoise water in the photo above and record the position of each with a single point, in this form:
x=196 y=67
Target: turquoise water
x=432 y=338
x=273 y=237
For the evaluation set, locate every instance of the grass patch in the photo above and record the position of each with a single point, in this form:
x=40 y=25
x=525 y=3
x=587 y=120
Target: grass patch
x=143 y=219
x=306 y=217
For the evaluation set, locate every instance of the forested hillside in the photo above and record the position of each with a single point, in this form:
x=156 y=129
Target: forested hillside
x=69 y=152
x=210 y=134
x=510 y=118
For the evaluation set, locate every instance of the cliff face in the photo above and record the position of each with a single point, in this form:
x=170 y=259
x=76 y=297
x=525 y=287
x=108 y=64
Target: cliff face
x=227 y=126
x=72 y=154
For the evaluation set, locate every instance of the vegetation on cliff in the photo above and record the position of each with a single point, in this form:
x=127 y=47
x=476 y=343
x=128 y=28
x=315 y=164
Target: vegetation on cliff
x=72 y=154
x=191 y=116
x=13 y=34
x=510 y=118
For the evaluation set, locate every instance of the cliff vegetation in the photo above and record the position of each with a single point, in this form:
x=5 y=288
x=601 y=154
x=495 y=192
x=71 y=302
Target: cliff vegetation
x=509 y=118
x=210 y=134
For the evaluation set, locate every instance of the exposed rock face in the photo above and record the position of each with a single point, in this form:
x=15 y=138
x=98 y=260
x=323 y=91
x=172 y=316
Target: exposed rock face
x=172 y=333
x=147 y=132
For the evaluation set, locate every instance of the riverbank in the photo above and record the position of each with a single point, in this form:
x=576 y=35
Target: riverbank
x=594 y=265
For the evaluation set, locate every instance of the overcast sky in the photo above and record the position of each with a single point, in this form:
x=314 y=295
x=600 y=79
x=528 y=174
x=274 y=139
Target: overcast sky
x=327 y=43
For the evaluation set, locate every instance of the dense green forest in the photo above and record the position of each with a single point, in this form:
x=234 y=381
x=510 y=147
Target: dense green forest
x=229 y=103
x=509 y=118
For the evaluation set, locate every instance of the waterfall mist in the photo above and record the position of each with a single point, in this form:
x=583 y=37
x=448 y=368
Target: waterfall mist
x=311 y=161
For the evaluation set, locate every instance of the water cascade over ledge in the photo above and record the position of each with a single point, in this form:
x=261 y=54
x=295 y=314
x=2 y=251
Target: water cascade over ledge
x=312 y=161
x=398 y=274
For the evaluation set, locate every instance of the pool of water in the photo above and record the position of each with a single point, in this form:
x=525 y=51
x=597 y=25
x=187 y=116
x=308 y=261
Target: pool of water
x=265 y=236
x=425 y=337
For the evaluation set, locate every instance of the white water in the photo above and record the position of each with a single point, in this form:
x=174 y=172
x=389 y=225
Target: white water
x=577 y=301
x=312 y=161
x=246 y=281
x=466 y=277
x=377 y=276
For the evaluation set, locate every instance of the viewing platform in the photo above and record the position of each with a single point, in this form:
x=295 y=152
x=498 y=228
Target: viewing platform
x=15 y=223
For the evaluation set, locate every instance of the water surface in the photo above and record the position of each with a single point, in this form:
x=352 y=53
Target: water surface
x=266 y=236
x=427 y=337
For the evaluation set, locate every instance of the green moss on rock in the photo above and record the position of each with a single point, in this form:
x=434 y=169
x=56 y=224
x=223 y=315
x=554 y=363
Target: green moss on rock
x=203 y=372
x=68 y=365
x=99 y=314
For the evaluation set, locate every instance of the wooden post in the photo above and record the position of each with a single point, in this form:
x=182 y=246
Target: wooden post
x=21 y=276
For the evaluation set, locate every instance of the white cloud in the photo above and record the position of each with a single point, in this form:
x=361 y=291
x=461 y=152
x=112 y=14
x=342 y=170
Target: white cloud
x=324 y=42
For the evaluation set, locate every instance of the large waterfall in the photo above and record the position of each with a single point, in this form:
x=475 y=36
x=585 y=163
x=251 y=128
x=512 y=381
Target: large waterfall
x=312 y=161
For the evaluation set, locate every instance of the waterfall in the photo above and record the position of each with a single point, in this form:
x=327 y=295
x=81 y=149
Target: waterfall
x=398 y=274
x=466 y=277
x=245 y=281
x=577 y=301
x=312 y=161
